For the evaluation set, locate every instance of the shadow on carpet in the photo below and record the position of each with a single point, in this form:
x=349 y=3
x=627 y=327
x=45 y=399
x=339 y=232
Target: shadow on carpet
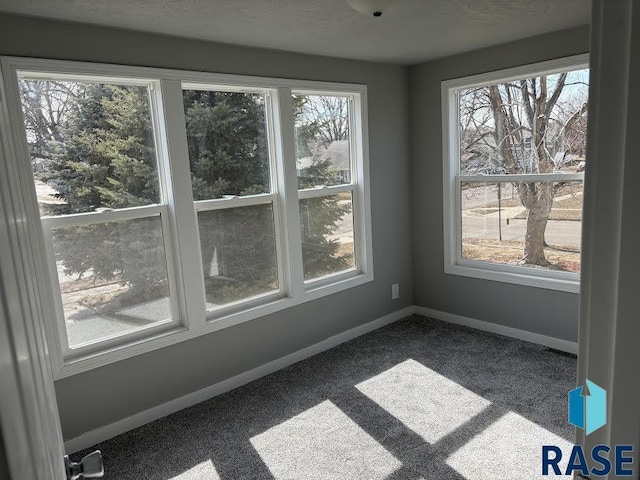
x=417 y=400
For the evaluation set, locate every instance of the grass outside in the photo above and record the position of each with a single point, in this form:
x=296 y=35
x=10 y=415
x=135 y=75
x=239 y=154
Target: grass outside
x=222 y=290
x=569 y=215
x=567 y=205
x=562 y=257
x=569 y=209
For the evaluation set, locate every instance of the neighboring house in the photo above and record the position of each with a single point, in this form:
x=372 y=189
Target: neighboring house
x=338 y=154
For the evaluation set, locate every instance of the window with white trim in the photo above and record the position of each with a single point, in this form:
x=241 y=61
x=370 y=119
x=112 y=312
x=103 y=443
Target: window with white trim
x=514 y=146
x=324 y=168
x=177 y=203
x=231 y=167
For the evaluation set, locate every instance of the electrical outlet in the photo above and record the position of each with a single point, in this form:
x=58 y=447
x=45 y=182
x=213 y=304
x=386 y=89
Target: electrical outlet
x=395 y=291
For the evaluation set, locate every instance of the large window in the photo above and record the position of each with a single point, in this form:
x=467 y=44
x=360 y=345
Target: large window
x=99 y=187
x=235 y=198
x=324 y=167
x=514 y=148
x=177 y=203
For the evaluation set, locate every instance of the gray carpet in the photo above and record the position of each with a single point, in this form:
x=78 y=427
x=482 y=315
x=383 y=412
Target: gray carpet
x=416 y=400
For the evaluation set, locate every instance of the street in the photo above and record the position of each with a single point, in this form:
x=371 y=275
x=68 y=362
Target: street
x=559 y=232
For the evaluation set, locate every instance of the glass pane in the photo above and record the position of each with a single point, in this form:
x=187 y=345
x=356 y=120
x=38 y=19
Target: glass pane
x=327 y=235
x=228 y=147
x=238 y=253
x=113 y=278
x=497 y=227
x=543 y=124
x=323 y=155
x=91 y=145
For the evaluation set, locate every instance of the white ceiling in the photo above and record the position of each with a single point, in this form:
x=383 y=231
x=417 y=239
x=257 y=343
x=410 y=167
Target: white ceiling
x=408 y=32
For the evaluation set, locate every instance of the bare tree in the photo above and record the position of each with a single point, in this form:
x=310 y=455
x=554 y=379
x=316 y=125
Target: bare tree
x=531 y=128
x=324 y=118
x=45 y=105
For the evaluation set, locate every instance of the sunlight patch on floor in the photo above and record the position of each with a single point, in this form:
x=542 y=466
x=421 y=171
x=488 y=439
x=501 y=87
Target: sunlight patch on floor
x=202 y=470
x=323 y=442
x=509 y=448
x=426 y=402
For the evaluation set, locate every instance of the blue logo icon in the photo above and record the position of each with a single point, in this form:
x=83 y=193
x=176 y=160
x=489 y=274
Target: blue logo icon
x=588 y=409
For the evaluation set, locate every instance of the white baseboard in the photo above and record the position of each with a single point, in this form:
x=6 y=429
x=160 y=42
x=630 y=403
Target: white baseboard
x=101 y=434
x=558 y=344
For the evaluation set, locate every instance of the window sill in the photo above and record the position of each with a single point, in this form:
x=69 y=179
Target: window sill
x=96 y=359
x=519 y=275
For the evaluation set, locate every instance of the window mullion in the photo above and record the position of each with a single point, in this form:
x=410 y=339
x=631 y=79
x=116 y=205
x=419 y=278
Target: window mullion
x=524 y=178
x=235 y=202
x=180 y=202
x=288 y=188
x=361 y=195
x=456 y=249
x=93 y=218
x=325 y=191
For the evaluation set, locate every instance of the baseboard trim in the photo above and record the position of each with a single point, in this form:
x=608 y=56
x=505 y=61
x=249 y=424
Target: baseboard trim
x=101 y=434
x=558 y=344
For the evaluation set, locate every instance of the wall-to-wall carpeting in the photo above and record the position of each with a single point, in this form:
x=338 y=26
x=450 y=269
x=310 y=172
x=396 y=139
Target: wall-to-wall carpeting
x=418 y=399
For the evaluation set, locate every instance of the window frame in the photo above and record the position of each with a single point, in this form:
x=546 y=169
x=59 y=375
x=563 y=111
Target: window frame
x=159 y=209
x=270 y=198
x=329 y=190
x=182 y=234
x=454 y=264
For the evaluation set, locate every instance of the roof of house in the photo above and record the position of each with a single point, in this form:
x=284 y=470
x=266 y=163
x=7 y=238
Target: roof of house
x=338 y=154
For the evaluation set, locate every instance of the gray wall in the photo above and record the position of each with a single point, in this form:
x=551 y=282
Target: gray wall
x=537 y=310
x=113 y=392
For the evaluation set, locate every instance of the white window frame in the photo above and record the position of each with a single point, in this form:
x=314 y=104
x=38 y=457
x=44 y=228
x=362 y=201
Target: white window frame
x=351 y=187
x=452 y=221
x=178 y=212
x=271 y=198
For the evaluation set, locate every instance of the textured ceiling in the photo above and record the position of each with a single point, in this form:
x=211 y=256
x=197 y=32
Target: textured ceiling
x=408 y=32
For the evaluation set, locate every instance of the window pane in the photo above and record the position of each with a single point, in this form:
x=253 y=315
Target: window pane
x=327 y=235
x=495 y=224
x=533 y=125
x=113 y=278
x=238 y=253
x=228 y=148
x=91 y=145
x=323 y=155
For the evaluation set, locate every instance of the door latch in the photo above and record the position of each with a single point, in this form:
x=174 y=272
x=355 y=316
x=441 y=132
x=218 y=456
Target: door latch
x=90 y=466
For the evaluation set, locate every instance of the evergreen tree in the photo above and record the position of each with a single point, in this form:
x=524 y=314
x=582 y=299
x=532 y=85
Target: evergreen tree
x=319 y=122
x=102 y=156
x=106 y=159
x=229 y=155
x=227 y=143
x=319 y=217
